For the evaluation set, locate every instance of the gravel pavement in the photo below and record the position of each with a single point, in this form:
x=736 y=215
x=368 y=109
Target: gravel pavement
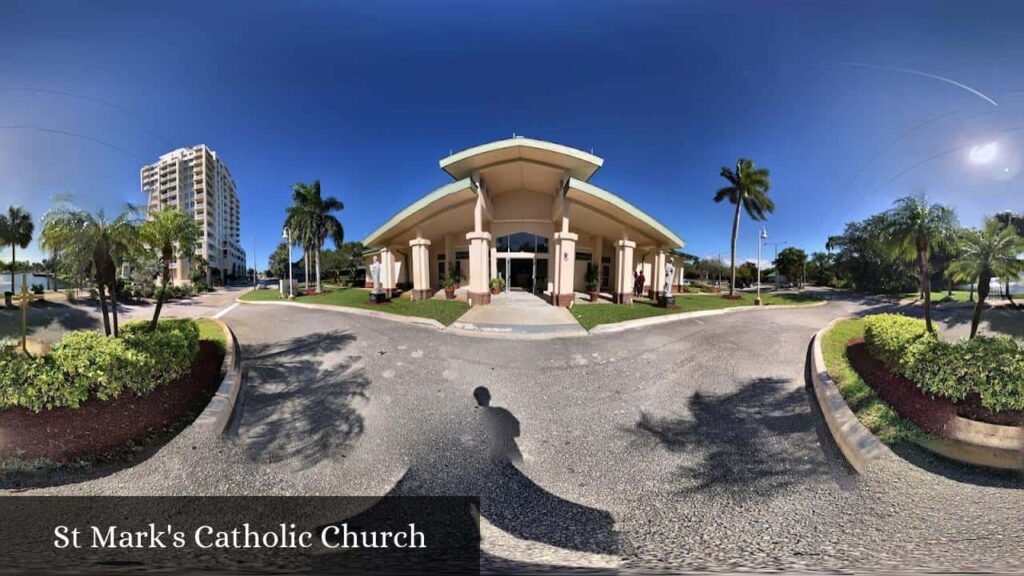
x=692 y=445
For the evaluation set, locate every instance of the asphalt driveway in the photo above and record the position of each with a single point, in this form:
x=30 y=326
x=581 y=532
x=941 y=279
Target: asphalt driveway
x=689 y=445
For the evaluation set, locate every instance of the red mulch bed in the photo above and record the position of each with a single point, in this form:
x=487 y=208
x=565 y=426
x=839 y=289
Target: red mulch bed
x=102 y=429
x=933 y=414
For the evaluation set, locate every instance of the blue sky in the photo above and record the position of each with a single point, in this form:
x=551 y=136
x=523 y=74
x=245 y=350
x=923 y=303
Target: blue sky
x=369 y=96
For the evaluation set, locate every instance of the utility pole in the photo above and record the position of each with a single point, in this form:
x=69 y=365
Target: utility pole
x=761 y=237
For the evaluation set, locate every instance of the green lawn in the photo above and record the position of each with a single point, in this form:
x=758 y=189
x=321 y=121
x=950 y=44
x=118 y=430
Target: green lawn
x=444 y=311
x=590 y=315
x=941 y=296
x=875 y=414
x=261 y=295
x=211 y=330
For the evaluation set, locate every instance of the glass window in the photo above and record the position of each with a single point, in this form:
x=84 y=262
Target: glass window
x=502 y=245
x=542 y=245
x=584 y=256
x=522 y=242
x=462 y=255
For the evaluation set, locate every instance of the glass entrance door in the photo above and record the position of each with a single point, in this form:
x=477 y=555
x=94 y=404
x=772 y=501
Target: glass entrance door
x=520 y=274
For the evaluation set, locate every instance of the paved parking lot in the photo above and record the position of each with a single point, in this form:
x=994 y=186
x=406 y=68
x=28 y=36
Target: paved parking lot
x=689 y=445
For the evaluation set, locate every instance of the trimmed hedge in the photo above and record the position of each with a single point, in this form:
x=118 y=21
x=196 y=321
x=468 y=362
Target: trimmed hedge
x=889 y=337
x=991 y=367
x=88 y=365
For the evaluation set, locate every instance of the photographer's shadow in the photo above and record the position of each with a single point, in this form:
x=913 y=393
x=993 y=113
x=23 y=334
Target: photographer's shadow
x=509 y=499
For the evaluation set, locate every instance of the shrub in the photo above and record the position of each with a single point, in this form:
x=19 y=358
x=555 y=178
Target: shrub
x=991 y=367
x=69 y=293
x=98 y=366
x=38 y=289
x=87 y=365
x=36 y=383
x=889 y=337
x=172 y=347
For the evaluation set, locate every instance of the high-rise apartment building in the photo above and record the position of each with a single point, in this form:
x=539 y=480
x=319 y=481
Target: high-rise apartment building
x=196 y=181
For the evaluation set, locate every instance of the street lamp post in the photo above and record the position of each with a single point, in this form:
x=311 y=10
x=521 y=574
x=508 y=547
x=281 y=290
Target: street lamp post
x=761 y=237
x=287 y=234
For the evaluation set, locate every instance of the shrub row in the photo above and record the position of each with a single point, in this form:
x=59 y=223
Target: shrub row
x=991 y=367
x=88 y=365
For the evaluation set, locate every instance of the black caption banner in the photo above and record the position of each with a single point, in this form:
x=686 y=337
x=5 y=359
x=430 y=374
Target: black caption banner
x=239 y=534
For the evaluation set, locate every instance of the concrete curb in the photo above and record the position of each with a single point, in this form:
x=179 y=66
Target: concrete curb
x=214 y=419
x=509 y=332
x=855 y=441
x=654 y=320
x=428 y=322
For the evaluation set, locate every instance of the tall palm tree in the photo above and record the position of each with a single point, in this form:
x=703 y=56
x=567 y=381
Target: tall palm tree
x=16 y=230
x=992 y=252
x=90 y=244
x=313 y=216
x=912 y=229
x=1015 y=221
x=173 y=234
x=748 y=188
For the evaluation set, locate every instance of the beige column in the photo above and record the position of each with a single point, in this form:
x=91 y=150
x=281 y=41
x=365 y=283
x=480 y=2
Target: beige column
x=623 y=290
x=597 y=255
x=479 y=263
x=657 y=278
x=420 y=268
x=565 y=264
x=368 y=281
x=387 y=272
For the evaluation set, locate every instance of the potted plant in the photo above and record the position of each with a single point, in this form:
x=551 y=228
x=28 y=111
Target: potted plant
x=497 y=285
x=450 y=282
x=593 y=284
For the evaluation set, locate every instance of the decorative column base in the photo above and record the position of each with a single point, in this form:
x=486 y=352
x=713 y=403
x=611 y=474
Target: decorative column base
x=562 y=299
x=478 y=298
x=623 y=298
x=422 y=294
x=666 y=301
x=378 y=298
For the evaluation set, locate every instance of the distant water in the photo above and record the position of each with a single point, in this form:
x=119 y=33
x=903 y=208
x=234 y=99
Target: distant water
x=996 y=287
x=5 y=281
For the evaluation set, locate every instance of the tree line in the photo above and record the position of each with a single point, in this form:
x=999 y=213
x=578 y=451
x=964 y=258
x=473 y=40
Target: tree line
x=918 y=246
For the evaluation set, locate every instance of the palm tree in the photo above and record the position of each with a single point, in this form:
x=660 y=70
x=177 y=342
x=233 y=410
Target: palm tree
x=992 y=252
x=89 y=244
x=748 y=187
x=312 y=217
x=912 y=228
x=16 y=230
x=1016 y=222
x=173 y=234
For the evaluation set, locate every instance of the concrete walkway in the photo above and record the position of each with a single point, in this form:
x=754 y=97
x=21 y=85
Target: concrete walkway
x=519 y=315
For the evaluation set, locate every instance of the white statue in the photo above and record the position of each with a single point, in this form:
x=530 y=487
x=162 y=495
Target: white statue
x=670 y=274
x=375 y=275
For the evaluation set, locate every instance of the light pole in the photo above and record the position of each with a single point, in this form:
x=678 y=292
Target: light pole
x=287 y=234
x=761 y=237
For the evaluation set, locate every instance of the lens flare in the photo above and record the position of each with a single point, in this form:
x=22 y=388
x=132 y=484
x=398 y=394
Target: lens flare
x=984 y=153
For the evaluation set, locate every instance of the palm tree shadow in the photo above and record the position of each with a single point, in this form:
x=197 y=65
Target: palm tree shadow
x=755 y=442
x=44 y=315
x=294 y=409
